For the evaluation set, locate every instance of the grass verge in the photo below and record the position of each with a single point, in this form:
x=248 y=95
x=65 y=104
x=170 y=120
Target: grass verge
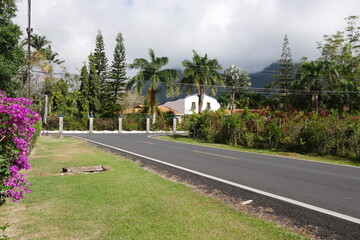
x=126 y=202
x=326 y=159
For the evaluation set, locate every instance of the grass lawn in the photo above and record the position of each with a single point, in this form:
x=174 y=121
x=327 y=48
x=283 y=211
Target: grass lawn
x=327 y=159
x=126 y=202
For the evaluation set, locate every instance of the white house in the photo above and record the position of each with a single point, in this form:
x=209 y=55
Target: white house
x=190 y=104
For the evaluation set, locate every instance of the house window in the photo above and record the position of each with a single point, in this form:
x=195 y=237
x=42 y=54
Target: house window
x=193 y=106
x=208 y=106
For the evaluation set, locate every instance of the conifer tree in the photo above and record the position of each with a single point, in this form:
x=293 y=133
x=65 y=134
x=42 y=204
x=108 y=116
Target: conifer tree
x=100 y=60
x=284 y=78
x=83 y=104
x=116 y=83
x=118 y=67
x=102 y=67
x=94 y=87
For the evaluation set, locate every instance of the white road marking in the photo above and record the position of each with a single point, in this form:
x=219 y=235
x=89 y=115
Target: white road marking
x=292 y=201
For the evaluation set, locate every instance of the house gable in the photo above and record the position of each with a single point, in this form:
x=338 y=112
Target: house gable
x=190 y=104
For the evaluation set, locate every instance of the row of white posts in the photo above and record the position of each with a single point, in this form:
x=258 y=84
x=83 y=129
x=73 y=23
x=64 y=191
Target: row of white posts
x=91 y=124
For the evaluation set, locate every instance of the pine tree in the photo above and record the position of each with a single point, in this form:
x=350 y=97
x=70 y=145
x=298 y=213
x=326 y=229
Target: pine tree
x=118 y=67
x=83 y=103
x=100 y=60
x=101 y=66
x=116 y=84
x=94 y=87
x=284 y=78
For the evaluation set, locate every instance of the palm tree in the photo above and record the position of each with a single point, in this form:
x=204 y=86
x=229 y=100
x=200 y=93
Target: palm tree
x=38 y=42
x=152 y=71
x=50 y=56
x=201 y=73
x=314 y=76
x=236 y=77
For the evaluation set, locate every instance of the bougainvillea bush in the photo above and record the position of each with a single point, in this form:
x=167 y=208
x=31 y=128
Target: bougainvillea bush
x=17 y=132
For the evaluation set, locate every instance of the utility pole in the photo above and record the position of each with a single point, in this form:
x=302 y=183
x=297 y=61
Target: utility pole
x=29 y=30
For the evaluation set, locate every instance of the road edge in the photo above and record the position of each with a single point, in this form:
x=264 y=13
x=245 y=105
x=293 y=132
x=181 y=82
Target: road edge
x=327 y=223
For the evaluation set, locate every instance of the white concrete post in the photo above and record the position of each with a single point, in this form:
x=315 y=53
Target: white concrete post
x=91 y=124
x=120 y=124
x=147 y=124
x=45 y=109
x=174 y=124
x=61 y=124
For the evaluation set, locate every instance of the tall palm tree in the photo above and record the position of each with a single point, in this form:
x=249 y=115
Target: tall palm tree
x=201 y=74
x=152 y=71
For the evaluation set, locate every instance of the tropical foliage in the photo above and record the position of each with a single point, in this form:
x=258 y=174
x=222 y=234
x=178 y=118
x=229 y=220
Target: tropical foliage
x=332 y=81
x=153 y=73
x=201 y=73
x=12 y=56
x=329 y=83
x=17 y=133
x=238 y=79
x=323 y=134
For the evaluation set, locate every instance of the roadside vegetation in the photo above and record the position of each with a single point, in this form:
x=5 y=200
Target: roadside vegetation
x=125 y=202
x=309 y=108
x=323 y=134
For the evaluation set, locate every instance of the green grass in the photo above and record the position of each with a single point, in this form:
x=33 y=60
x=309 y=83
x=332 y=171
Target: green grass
x=126 y=202
x=326 y=159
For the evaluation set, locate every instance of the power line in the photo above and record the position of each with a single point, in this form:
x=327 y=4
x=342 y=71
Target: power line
x=229 y=89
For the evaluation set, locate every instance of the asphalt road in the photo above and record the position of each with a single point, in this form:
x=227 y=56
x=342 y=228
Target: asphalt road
x=331 y=187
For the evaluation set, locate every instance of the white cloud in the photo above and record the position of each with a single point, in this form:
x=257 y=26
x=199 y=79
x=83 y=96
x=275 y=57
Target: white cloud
x=248 y=32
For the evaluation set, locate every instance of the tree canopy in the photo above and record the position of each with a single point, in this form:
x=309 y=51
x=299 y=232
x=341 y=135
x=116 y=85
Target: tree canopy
x=12 y=56
x=154 y=73
x=236 y=78
x=201 y=73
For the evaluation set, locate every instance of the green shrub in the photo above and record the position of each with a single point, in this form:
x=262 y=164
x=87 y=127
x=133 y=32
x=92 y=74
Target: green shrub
x=321 y=134
x=290 y=132
x=273 y=134
x=134 y=121
x=164 y=121
x=79 y=124
x=52 y=122
x=206 y=126
x=233 y=129
x=109 y=124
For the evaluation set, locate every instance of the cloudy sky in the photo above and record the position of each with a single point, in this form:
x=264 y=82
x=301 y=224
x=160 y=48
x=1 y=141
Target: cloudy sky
x=248 y=33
